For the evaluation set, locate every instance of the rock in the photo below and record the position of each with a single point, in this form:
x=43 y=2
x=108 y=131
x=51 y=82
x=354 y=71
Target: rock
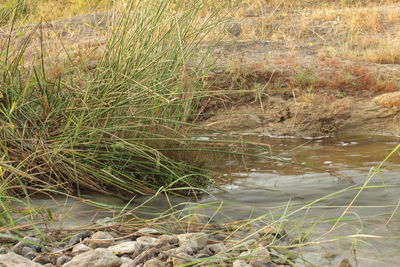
x=240 y=263
x=233 y=28
x=63 y=259
x=181 y=258
x=148 y=231
x=184 y=249
x=145 y=256
x=388 y=100
x=196 y=241
x=79 y=238
x=217 y=248
x=81 y=248
x=169 y=239
x=154 y=263
x=99 y=257
x=25 y=251
x=100 y=240
x=125 y=248
x=126 y=262
x=13 y=260
x=205 y=251
x=259 y=256
x=24 y=248
x=30 y=256
x=147 y=241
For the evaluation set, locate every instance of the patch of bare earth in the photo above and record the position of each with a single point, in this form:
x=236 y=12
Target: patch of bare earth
x=270 y=89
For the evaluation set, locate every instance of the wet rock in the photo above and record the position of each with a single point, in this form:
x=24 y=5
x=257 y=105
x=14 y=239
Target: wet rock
x=240 y=263
x=217 y=248
x=79 y=238
x=154 y=263
x=147 y=241
x=196 y=241
x=63 y=260
x=126 y=262
x=23 y=248
x=13 y=260
x=125 y=248
x=100 y=240
x=81 y=248
x=99 y=257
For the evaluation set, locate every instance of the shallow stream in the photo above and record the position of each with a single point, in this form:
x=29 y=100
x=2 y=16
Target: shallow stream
x=325 y=166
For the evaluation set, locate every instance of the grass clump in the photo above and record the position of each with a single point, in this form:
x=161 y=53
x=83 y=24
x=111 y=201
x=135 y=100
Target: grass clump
x=101 y=129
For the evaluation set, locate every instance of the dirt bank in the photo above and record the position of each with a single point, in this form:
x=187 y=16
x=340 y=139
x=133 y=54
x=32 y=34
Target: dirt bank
x=283 y=116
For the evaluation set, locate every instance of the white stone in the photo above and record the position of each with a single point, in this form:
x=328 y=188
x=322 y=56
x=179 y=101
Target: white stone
x=148 y=231
x=194 y=240
x=147 y=241
x=126 y=262
x=13 y=260
x=240 y=263
x=181 y=258
x=99 y=257
x=81 y=248
x=125 y=248
x=100 y=240
x=101 y=235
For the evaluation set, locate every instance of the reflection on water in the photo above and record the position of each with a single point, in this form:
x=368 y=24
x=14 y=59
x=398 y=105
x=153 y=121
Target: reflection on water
x=324 y=166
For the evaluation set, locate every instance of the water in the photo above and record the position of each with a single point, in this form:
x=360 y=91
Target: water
x=325 y=166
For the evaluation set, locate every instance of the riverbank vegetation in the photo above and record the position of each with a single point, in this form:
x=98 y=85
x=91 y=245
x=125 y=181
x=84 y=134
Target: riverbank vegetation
x=114 y=112
x=104 y=128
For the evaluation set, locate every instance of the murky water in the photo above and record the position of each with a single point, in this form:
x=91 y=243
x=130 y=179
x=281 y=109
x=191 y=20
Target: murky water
x=348 y=163
x=325 y=166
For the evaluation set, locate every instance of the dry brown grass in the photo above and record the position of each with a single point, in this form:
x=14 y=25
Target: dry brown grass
x=335 y=31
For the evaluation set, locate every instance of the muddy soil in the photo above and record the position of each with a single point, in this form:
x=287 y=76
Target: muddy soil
x=280 y=116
